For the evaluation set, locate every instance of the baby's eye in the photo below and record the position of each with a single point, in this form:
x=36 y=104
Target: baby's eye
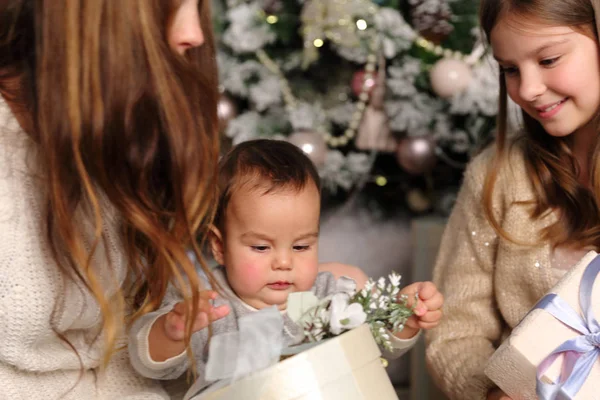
x=301 y=248
x=260 y=248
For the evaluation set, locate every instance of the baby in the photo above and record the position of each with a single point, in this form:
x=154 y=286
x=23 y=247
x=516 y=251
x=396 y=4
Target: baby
x=265 y=240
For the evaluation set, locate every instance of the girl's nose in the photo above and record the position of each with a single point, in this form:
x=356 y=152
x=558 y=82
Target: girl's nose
x=531 y=86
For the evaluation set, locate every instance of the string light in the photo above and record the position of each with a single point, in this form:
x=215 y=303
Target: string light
x=370 y=68
x=381 y=180
x=361 y=24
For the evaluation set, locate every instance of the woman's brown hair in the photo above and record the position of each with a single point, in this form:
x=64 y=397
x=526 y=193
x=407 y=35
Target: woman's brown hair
x=549 y=160
x=118 y=114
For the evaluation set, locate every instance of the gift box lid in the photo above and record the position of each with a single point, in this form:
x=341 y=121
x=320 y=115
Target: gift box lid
x=346 y=366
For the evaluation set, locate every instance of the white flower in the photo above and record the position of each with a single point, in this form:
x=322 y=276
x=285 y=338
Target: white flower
x=344 y=316
x=324 y=315
x=395 y=279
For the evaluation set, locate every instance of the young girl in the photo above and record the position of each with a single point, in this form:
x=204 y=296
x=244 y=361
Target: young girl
x=529 y=207
x=265 y=238
x=108 y=153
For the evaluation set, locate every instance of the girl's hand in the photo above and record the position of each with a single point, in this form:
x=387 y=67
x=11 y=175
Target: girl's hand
x=174 y=321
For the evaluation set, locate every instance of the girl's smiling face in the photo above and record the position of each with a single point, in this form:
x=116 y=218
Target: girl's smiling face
x=551 y=72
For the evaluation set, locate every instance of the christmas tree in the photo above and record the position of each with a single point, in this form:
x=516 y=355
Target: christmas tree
x=389 y=98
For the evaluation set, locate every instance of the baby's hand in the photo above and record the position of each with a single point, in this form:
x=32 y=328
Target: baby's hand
x=174 y=321
x=428 y=310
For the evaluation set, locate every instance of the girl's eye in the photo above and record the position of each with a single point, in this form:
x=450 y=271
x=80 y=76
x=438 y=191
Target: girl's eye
x=301 y=248
x=260 y=248
x=549 y=61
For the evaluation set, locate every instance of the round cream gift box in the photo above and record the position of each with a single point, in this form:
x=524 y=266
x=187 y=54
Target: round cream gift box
x=345 y=367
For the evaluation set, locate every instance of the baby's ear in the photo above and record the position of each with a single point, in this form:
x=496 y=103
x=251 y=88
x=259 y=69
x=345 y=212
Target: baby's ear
x=216 y=245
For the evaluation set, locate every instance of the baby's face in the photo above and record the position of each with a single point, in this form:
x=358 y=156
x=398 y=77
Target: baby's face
x=270 y=243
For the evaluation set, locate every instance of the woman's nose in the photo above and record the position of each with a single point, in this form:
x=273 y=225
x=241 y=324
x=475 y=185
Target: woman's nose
x=186 y=31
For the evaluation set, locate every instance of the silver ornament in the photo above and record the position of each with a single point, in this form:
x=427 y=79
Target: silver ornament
x=226 y=111
x=416 y=155
x=312 y=144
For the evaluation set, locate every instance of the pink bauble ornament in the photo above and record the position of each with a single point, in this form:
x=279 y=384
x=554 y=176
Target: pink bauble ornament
x=226 y=111
x=312 y=144
x=449 y=77
x=416 y=155
x=358 y=80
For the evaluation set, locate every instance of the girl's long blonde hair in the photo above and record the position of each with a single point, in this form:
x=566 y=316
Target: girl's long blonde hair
x=549 y=160
x=117 y=113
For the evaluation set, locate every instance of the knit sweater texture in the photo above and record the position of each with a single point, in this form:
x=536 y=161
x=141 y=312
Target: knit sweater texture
x=36 y=302
x=489 y=283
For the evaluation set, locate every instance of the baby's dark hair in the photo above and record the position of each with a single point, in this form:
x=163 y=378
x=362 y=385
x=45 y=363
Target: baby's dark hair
x=265 y=164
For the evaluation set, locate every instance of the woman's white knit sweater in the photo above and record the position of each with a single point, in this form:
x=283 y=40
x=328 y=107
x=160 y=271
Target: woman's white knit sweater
x=34 y=299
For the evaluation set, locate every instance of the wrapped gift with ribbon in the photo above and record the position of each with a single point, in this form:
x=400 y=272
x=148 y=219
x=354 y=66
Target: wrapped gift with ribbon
x=554 y=353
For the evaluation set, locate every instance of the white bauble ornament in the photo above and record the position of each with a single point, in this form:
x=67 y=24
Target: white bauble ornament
x=449 y=77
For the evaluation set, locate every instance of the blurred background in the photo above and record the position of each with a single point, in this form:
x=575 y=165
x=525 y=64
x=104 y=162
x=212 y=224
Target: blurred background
x=389 y=98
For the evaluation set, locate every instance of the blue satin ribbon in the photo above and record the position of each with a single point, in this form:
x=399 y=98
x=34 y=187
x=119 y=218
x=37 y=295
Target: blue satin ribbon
x=581 y=352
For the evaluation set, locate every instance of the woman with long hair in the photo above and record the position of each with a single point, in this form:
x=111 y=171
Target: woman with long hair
x=108 y=149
